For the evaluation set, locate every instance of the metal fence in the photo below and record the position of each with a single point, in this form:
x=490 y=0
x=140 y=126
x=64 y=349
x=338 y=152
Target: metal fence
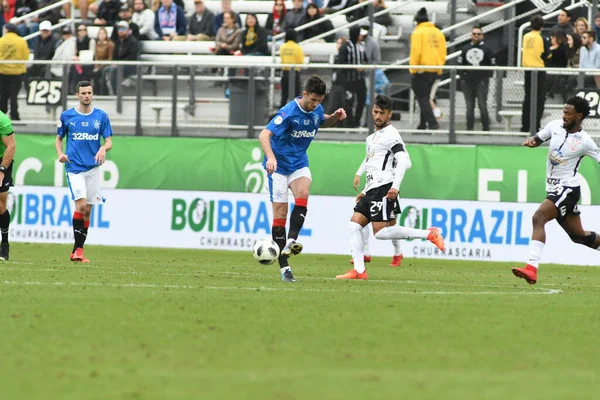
x=219 y=100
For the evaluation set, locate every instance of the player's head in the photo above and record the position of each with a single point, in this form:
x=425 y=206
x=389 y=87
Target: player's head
x=84 y=92
x=314 y=93
x=576 y=109
x=382 y=111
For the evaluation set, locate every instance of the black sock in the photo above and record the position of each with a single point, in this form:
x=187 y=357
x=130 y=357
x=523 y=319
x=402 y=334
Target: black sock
x=296 y=221
x=84 y=232
x=4 y=224
x=78 y=232
x=278 y=234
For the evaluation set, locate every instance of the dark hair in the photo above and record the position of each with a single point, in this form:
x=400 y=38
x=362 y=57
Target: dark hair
x=560 y=35
x=291 y=34
x=582 y=106
x=255 y=18
x=591 y=34
x=477 y=27
x=383 y=102
x=81 y=84
x=233 y=17
x=576 y=42
x=315 y=85
x=421 y=16
x=567 y=12
x=537 y=22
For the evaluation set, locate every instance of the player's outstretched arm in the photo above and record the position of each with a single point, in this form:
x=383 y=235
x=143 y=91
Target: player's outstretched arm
x=332 y=119
x=533 y=141
x=58 y=145
x=265 y=142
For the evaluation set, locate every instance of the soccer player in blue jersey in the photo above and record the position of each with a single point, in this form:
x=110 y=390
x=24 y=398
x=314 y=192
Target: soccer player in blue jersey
x=84 y=127
x=284 y=142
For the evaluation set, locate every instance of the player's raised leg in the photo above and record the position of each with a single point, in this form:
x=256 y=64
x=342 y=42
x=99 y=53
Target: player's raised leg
x=402 y=232
x=545 y=213
x=365 y=236
x=300 y=185
x=571 y=223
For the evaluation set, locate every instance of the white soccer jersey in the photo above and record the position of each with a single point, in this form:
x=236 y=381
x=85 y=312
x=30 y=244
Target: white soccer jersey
x=565 y=153
x=380 y=162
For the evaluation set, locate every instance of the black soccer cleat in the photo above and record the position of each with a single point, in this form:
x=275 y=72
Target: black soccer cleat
x=287 y=276
x=292 y=248
x=4 y=252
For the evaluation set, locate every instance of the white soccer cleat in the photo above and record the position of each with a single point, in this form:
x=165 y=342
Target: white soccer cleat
x=292 y=248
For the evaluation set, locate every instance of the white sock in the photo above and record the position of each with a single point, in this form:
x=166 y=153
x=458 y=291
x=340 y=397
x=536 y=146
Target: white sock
x=356 y=246
x=365 y=236
x=397 y=249
x=535 y=253
x=401 y=232
x=284 y=269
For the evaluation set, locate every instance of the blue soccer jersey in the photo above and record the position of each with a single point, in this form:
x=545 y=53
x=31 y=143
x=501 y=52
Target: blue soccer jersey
x=293 y=129
x=84 y=133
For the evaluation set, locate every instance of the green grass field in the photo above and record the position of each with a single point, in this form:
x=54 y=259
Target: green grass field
x=183 y=324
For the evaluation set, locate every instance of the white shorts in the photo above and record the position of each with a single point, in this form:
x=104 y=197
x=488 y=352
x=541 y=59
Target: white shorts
x=278 y=184
x=86 y=185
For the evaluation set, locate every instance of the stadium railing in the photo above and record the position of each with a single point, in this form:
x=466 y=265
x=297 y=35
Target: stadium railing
x=237 y=106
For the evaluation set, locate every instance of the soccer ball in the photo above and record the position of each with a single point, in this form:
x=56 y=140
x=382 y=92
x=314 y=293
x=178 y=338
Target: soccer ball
x=266 y=251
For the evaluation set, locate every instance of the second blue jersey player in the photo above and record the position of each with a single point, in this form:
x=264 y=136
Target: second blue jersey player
x=84 y=128
x=284 y=142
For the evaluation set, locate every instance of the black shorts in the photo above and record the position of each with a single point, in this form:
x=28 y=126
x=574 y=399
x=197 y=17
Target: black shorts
x=7 y=182
x=376 y=207
x=565 y=198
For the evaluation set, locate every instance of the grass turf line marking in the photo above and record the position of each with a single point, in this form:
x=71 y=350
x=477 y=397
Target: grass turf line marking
x=536 y=291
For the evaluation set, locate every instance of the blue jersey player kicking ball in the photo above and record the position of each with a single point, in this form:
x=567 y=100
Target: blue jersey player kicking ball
x=284 y=142
x=84 y=128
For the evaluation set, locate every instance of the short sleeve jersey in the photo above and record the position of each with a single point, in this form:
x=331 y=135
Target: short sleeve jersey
x=6 y=129
x=380 y=161
x=565 y=152
x=293 y=130
x=83 y=133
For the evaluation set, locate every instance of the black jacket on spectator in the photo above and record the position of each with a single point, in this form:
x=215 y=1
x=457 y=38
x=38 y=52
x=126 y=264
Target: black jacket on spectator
x=476 y=55
x=321 y=27
x=559 y=57
x=109 y=11
x=43 y=50
x=135 y=31
x=259 y=45
x=205 y=25
x=351 y=53
x=126 y=49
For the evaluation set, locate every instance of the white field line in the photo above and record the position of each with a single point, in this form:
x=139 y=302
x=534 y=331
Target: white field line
x=536 y=291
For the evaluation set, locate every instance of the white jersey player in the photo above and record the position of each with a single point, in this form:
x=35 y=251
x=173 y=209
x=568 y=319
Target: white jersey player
x=568 y=144
x=386 y=163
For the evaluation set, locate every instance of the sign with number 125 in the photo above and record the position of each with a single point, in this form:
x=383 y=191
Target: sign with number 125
x=593 y=96
x=44 y=91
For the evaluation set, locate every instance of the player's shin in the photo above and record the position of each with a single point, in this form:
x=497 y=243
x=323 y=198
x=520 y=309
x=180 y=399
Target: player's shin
x=278 y=235
x=78 y=225
x=397 y=248
x=297 y=218
x=356 y=246
x=535 y=253
x=401 y=232
x=86 y=225
x=4 y=225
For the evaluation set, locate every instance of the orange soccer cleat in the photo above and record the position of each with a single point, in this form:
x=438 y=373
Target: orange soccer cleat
x=353 y=274
x=436 y=238
x=78 y=256
x=396 y=261
x=529 y=273
x=366 y=258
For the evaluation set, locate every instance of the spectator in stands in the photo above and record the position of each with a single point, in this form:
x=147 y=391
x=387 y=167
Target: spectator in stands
x=312 y=14
x=65 y=51
x=352 y=52
x=155 y=4
x=53 y=15
x=125 y=14
x=220 y=17
x=331 y=6
x=84 y=44
x=104 y=52
x=557 y=57
x=589 y=57
x=371 y=46
x=380 y=23
x=574 y=43
x=200 y=26
x=9 y=9
x=43 y=49
x=254 y=38
x=170 y=21
x=294 y=18
x=581 y=26
x=82 y=6
x=144 y=18
x=229 y=35
x=596 y=27
x=275 y=19
x=126 y=49
x=108 y=12
x=427 y=47
x=475 y=84
x=535 y=50
x=14 y=48
x=564 y=21
x=30 y=25
x=291 y=53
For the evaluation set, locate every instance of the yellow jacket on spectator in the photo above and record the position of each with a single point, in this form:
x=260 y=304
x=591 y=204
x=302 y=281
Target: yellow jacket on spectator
x=291 y=53
x=534 y=49
x=13 y=47
x=427 y=47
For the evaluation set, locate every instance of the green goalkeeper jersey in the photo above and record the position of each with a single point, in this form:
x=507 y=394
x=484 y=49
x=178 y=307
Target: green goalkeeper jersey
x=6 y=129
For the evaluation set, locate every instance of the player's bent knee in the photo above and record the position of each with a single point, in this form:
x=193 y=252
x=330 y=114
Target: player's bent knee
x=586 y=240
x=539 y=219
x=354 y=226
